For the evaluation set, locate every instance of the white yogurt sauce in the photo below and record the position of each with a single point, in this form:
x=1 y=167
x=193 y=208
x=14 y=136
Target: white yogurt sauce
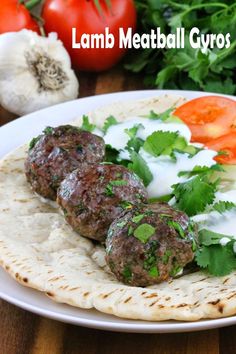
x=165 y=171
x=163 y=168
x=118 y=138
x=221 y=223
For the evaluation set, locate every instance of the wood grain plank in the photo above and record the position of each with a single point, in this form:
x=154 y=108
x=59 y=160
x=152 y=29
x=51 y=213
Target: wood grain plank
x=17 y=329
x=206 y=342
x=227 y=340
x=110 y=81
x=48 y=337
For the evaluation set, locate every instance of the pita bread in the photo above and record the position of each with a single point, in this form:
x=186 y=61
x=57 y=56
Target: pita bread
x=41 y=251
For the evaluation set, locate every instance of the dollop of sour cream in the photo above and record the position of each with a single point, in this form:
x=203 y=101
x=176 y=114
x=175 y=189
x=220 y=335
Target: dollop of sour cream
x=164 y=170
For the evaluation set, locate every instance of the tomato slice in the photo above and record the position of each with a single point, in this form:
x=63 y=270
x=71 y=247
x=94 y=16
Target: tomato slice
x=208 y=117
x=227 y=144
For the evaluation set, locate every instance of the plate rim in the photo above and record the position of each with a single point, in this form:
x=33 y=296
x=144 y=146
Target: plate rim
x=143 y=327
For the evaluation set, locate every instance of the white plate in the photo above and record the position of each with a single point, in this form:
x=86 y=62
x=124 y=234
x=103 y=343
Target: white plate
x=22 y=130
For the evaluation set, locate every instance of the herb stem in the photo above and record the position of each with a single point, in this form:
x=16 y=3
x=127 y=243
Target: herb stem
x=31 y=3
x=200 y=6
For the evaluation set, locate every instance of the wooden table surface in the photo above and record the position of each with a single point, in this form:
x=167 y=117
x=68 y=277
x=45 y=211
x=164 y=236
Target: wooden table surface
x=22 y=332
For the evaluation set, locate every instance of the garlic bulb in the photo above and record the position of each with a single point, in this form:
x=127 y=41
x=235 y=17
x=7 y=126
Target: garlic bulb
x=35 y=72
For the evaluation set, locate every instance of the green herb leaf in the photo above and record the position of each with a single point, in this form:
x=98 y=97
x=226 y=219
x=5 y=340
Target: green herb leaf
x=48 y=130
x=159 y=143
x=177 y=228
x=111 y=120
x=33 y=142
x=195 y=194
x=166 y=143
x=160 y=116
x=86 y=125
x=202 y=170
x=223 y=206
x=218 y=260
x=154 y=272
x=208 y=237
x=136 y=219
x=140 y=167
x=143 y=232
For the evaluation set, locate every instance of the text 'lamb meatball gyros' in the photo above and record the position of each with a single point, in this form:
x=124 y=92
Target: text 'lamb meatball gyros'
x=149 y=244
x=91 y=199
x=58 y=152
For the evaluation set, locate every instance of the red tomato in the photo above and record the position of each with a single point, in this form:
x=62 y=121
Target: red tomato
x=14 y=17
x=61 y=16
x=208 y=117
x=227 y=144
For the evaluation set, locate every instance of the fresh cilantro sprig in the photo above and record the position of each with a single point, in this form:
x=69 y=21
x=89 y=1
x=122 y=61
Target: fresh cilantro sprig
x=200 y=170
x=168 y=143
x=160 y=116
x=134 y=142
x=187 y=68
x=86 y=125
x=223 y=206
x=111 y=120
x=217 y=259
x=195 y=194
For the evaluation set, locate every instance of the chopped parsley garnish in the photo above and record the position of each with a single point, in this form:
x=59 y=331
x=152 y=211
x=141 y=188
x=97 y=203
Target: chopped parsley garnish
x=130 y=230
x=143 y=232
x=86 y=125
x=177 y=228
x=33 y=142
x=195 y=194
x=126 y=205
x=109 y=190
x=138 y=218
x=175 y=270
x=108 y=123
x=154 y=272
x=127 y=273
x=48 y=130
x=117 y=183
x=140 y=167
x=166 y=256
x=150 y=260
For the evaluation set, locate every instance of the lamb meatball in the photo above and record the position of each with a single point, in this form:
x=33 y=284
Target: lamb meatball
x=91 y=199
x=56 y=153
x=149 y=244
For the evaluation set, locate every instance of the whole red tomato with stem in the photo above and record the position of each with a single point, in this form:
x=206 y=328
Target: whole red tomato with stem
x=90 y=16
x=15 y=16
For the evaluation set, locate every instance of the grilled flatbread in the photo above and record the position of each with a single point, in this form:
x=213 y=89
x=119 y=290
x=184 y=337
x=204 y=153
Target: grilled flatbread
x=41 y=251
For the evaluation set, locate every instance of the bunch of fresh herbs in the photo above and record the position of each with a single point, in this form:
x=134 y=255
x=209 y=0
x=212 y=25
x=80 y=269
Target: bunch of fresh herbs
x=188 y=68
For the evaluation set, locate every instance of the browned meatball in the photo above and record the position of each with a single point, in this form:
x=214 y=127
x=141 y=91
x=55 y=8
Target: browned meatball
x=149 y=244
x=56 y=153
x=93 y=198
